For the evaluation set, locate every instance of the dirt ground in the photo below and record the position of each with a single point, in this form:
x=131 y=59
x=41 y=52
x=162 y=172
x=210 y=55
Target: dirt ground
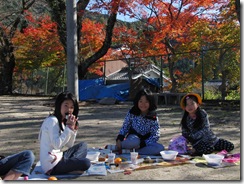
x=22 y=116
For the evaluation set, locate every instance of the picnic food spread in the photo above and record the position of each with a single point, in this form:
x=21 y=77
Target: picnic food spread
x=122 y=164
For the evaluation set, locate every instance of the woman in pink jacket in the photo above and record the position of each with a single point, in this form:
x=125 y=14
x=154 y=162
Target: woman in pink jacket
x=58 y=131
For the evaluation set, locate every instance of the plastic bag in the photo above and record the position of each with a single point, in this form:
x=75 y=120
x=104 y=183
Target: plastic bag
x=178 y=143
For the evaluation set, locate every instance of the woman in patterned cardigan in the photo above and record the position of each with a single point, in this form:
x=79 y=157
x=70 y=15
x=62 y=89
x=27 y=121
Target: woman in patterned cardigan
x=141 y=129
x=195 y=128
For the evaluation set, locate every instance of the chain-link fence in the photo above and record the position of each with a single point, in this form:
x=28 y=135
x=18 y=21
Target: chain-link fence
x=201 y=72
x=42 y=81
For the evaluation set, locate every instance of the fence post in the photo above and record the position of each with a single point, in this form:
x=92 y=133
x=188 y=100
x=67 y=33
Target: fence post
x=46 y=80
x=64 y=76
x=202 y=77
x=161 y=75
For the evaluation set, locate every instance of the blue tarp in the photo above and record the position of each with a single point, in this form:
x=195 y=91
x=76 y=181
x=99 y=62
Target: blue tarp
x=118 y=91
x=153 y=81
x=92 y=82
x=95 y=89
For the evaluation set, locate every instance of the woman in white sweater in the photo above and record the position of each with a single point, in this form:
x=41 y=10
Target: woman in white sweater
x=58 y=131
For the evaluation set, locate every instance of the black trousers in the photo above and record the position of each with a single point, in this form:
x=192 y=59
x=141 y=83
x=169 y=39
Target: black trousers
x=205 y=148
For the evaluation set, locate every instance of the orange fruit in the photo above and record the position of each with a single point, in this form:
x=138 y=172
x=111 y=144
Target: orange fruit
x=117 y=160
x=52 y=178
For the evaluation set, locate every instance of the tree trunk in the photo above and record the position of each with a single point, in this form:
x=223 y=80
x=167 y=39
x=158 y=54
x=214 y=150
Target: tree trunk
x=224 y=72
x=223 y=87
x=6 y=71
x=7 y=63
x=85 y=64
x=7 y=58
x=170 y=49
x=238 y=9
x=171 y=73
x=58 y=15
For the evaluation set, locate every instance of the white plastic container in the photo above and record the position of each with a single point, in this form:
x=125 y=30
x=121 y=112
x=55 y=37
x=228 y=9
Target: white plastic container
x=169 y=154
x=213 y=159
x=93 y=155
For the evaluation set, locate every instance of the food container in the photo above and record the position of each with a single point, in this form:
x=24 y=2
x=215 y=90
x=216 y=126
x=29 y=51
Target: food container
x=213 y=159
x=93 y=155
x=104 y=152
x=169 y=154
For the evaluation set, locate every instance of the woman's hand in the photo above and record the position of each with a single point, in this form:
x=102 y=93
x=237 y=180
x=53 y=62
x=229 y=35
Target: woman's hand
x=118 y=144
x=71 y=122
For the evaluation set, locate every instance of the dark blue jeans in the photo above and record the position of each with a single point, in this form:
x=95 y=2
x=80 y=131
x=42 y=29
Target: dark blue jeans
x=74 y=159
x=20 y=162
x=133 y=141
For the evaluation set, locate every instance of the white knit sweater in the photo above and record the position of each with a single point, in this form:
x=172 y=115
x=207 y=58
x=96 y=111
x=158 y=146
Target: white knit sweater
x=52 y=140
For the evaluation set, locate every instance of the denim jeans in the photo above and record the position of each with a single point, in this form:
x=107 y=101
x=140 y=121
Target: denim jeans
x=133 y=141
x=74 y=159
x=20 y=162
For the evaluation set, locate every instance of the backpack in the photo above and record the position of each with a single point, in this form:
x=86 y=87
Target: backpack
x=178 y=143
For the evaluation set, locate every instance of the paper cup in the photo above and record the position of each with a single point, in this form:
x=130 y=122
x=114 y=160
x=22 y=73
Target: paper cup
x=111 y=157
x=133 y=157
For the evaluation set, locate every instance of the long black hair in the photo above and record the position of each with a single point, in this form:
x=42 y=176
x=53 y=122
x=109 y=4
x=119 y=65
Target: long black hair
x=152 y=104
x=58 y=102
x=198 y=122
